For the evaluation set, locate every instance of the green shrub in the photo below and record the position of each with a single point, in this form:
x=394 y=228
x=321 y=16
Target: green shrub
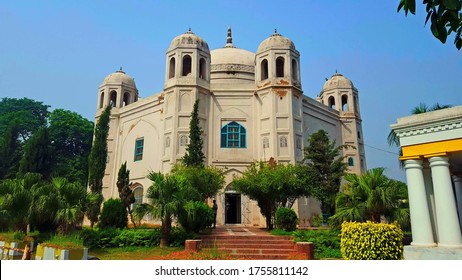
x=114 y=214
x=178 y=236
x=316 y=220
x=111 y=237
x=286 y=218
x=196 y=216
x=326 y=242
x=371 y=241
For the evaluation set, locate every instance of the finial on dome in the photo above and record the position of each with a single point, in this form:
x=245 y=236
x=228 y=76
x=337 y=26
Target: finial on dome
x=275 y=33
x=189 y=31
x=120 y=70
x=229 y=39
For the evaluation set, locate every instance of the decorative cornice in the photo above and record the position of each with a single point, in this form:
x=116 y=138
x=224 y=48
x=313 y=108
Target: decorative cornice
x=429 y=128
x=232 y=67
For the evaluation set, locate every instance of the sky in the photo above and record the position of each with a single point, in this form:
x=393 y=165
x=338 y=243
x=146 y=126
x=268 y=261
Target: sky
x=59 y=52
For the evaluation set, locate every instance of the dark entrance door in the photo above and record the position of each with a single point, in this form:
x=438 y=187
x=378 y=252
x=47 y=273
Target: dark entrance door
x=233 y=208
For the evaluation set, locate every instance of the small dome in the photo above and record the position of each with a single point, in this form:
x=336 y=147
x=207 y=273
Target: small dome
x=119 y=77
x=337 y=81
x=276 y=41
x=189 y=40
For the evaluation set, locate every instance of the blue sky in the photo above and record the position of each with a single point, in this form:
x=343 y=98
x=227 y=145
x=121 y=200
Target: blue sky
x=59 y=52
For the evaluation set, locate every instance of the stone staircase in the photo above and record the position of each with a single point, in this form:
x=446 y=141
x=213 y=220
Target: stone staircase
x=249 y=243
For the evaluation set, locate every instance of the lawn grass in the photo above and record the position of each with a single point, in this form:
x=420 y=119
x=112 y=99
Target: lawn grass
x=131 y=253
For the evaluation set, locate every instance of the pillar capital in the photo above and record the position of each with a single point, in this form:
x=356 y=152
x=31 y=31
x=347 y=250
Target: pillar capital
x=438 y=161
x=413 y=164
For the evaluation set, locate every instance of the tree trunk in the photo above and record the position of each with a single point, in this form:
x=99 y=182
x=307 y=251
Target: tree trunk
x=131 y=216
x=165 y=231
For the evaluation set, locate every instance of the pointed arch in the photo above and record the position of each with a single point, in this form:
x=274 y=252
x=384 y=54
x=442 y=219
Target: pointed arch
x=331 y=102
x=280 y=67
x=264 y=69
x=233 y=135
x=126 y=100
x=171 y=68
x=113 y=99
x=187 y=63
x=345 y=103
x=202 y=69
x=295 y=75
x=101 y=100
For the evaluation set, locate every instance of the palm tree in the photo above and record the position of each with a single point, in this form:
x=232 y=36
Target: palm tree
x=71 y=204
x=372 y=196
x=168 y=195
x=17 y=200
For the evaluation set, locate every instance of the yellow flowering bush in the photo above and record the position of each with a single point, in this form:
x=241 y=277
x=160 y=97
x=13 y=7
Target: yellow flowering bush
x=371 y=241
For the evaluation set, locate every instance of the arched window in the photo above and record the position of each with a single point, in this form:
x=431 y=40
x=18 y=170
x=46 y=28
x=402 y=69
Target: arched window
x=167 y=141
x=351 y=161
x=138 y=194
x=113 y=99
x=294 y=70
x=183 y=140
x=264 y=69
x=283 y=142
x=126 y=99
x=265 y=142
x=359 y=134
x=186 y=65
x=280 y=67
x=101 y=100
x=233 y=135
x=331 y=101
x=344 y=103
x=202 y=73
x=171 y=68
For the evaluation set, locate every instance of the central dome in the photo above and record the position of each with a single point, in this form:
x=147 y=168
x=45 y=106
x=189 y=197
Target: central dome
x=188 y=40
x=230 y=63
x=232 y=56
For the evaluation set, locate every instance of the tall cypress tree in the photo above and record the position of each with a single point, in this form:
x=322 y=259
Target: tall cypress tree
x=125 y=191
x=194 y=155
x=37 y=154
x=97 y=165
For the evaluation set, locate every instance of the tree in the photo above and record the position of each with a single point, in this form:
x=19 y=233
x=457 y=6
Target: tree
x=113 y=215
x=205 y=181
x=272 y=185
x=194 y=155
x=372 y=197
x=444 y=15
x=97 y=165
x=326 y=167
x=37 y=156
x=30 y=115
x=125 y=191
x=71 y=136
x=10 y=152
x=167 y=192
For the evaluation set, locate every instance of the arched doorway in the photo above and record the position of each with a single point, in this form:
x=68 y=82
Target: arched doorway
x=232 y=206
